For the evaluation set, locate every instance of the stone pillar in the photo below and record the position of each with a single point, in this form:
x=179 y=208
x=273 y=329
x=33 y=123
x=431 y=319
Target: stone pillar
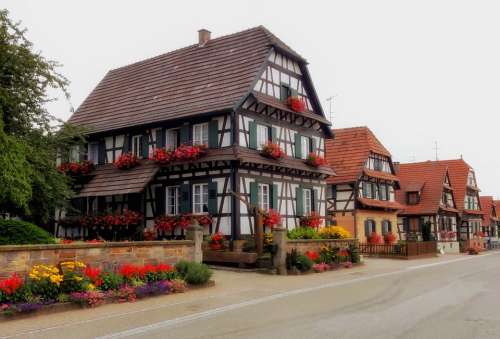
x=195 y=233
x=279 y=258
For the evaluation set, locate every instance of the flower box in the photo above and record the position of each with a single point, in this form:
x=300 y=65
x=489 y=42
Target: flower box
x=273 y=151
x=315 y=160
x=314 y=220
x=297 y=104
x=126 y=161
x=75 y=169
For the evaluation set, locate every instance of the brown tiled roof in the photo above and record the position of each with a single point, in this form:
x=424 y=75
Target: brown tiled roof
x=186 y=82
x=380 y=174
x=392 y=205
x=349 y=150
x=109 y=180
x=458 y=171
x=424 y=177
x=489 y=209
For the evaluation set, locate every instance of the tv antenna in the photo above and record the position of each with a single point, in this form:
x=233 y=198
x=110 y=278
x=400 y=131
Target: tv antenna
x=330 y=101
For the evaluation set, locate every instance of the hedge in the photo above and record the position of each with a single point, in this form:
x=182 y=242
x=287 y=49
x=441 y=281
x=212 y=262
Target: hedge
x=16 y=232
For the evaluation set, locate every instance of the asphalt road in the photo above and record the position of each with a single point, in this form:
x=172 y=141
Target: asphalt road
x=448 y=297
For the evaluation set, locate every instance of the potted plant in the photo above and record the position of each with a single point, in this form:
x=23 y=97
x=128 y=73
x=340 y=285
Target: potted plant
x=216 y=242
x=389 y=238
x=271 y=218
x=189 y=153
x=273 y=151
x=162 y=156
x=126 y=161
x=375 y=239
x=315 y=160
x=296 y=104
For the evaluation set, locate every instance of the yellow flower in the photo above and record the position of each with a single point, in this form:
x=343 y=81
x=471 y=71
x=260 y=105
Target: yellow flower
x=91 y=287
x=334 y=232
x=78 y=278
x=56 y=279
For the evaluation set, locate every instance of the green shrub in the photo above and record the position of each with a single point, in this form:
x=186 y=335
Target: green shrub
x=111 y=281
x=354 y=253
x=193 y=273
x=15 y=232
x=303 y=233
x=298 y=261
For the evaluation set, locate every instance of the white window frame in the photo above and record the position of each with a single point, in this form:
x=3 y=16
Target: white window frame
x=264 y=196
x=308 y=201
x=305 y=145
x=172 y=206
x=136 y=145
x=93 y=155
x=171 y=137
x=262 y=135
x=200 y=198
x=200 y=134
x=74 y=153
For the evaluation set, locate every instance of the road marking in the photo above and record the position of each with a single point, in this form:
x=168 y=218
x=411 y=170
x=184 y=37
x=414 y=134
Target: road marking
x=210 y=313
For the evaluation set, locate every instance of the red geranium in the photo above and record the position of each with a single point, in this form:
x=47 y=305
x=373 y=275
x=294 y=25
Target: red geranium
x=129 y=271
x=76 y=169
x=315 y=160
x=146 y=269
x=162 y=156
x=11 y=284
x=273 y=151
x=217 y=241
x=183 y=222
x=375 y=239
x=390 y=238
x=126 y=161
x=165 y=223
x=93 y=274
x=344 y=252
x=187 y=152
x=314 y=256
x=272 y=218
x=66 y=241
x=297 y=104
x=204 y=220
x=314 y=220
x=164 y=268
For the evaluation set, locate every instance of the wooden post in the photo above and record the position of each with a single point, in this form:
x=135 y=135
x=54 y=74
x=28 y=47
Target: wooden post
x=259 y=232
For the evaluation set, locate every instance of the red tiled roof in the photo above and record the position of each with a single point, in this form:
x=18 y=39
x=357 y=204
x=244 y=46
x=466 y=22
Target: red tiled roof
x=425 y=177
x=348 y=152
x=489 y=209
x=380 y=175
x=458 y=171
x=393 y=205
x=186 y=82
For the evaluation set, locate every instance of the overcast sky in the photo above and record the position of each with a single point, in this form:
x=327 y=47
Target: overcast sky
x=414 y=72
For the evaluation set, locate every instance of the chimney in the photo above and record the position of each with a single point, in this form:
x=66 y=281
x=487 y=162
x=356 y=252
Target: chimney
x=203 y=37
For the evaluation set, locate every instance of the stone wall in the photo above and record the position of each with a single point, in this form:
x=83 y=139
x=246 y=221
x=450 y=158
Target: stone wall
x=21 y=258
x=305 y=245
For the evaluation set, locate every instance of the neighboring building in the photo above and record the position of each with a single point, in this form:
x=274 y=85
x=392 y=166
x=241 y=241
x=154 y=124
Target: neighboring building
x=428 y=197
x=229 y=93
x=491 y=220
x=361 y=194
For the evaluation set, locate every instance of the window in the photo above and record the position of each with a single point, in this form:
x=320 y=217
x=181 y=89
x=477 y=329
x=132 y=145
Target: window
x=386 y=226
x=263 y=194
x=471 y=202
x=262 y=136
x=171 y=142
x=370 y=227
x=74 y=154
x=93 y=152
x=471 y=179
x=384 y=194
x=308 y=201
x=136 y=145
x=378 y=163
x=172 y=200
x=200 y=134
x=305 y=147
x=200 y=198
x=412 y=198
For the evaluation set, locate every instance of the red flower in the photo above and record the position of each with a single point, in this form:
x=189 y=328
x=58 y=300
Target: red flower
x=126 y=161
x=93 y=274
x=297 y=104
x=315 y=160
x=164 y=268
x=129 y=271
x=76 y=169
x=187 y=152
x=162 y=156
x=11 y=284
x=343 y=252
x=314 y=256
x=217 y=241
x=204 y=220
x=66 y=241
x=314 y=220
x=390 y=238
x=148 y=268
x=165 y=223
x=272 y=218
x=183 y=222
x=375 y=239
x=273 y=151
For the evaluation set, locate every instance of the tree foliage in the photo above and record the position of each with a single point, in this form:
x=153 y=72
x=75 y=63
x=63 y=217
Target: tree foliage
x=30 y=137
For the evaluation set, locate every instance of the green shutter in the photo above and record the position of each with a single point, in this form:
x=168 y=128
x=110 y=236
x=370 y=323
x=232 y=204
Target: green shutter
x=159 y=200
x=254 y=195
x=145 y=145
x=284 y=91
x=274 y=196
x=126 y=143
x=315 y=204
x=212 y=197
x=314 y=146
x=213 y=134
x=252 y=127
x=274 y=135
x=160 y=138
x=102 y=153
x=299 y=196
x=298 y=146
x=367 y=228
x=184 y=134
x=185 y=201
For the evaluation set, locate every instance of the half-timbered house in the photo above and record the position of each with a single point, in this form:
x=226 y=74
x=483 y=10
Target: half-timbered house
x=428 y=197
x=491 y=220
x=228 y=93
x=362 y=193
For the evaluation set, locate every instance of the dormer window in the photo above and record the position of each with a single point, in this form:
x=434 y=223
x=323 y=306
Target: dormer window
x=471 y=179
x=412 y=198
x=378 y=163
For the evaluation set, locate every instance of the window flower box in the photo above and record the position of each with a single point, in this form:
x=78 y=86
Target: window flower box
x=126 y=161
x=313 y=220
x=296 y=104
x=389 y=238
x=375 y=239
x=315 y=160
x=273 y=151
x=272 y=218
x=189 y=153
x=76 y=169
x=162 y=156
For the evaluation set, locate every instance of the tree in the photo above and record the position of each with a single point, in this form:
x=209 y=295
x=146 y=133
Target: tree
x=30 y=185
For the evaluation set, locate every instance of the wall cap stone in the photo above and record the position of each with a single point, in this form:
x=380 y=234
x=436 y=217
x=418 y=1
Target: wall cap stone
x=40 y=247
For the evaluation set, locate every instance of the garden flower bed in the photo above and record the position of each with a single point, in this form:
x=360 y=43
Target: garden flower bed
x=49 y=287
